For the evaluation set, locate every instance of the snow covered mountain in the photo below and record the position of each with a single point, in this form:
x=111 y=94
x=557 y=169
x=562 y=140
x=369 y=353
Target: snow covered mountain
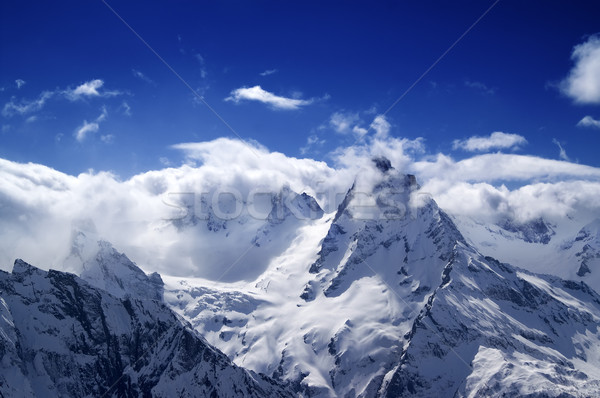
x=386 y=298
x=59 y=336
x=224 y=226
x=570 y=250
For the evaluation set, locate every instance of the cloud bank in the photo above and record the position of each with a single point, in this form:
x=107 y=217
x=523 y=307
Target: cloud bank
x=39 y=205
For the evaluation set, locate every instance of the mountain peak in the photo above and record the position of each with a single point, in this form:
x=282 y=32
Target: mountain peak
x=22 y=267
x=382 y=163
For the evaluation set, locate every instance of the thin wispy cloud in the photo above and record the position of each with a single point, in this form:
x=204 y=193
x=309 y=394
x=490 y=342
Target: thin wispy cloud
x=200 y=59
x=257 y=93
x=108 y=138
x=141 y=76
x=268 y=72
x=90 y=127
x=589 y=121
x=496 y=140
x=479 y=86
x=313 y=141
x=562 y=154
x=24 y=107
x=20 y=83
x=125 y=108
x=583 y=81
x=89 y=89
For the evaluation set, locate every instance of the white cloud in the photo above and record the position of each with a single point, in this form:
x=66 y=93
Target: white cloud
x=38 y=204
x=268 y=72
x=501 y=167
x=351 y=123
x=91 y=127
x=562 y=154
x=90 y=89
x=343 y=122
x=583 y=82
x=24 y=106
x=85 y=129
x=589 y=121
x=31 y=119
x=496 y=140
x=486 y=202
x=256 y=93
x=20 y=83
x=381 y=126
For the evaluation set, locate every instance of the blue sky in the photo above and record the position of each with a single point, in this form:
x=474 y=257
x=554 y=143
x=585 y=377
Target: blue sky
x=79 y=90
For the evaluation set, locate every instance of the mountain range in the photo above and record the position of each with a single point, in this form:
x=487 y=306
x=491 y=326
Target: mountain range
x=387 y=296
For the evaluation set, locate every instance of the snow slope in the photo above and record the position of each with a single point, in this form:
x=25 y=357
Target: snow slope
x=570 y=251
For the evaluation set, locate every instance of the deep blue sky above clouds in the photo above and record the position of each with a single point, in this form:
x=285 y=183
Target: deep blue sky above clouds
x=79 y=90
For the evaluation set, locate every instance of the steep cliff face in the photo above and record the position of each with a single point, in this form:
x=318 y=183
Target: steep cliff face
x=62 y=337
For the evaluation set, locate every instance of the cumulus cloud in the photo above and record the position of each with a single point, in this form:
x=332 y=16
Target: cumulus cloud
x=256 y=93
x=90 y=127
x=583 y=81
x=589 y=121
x=496 y=140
